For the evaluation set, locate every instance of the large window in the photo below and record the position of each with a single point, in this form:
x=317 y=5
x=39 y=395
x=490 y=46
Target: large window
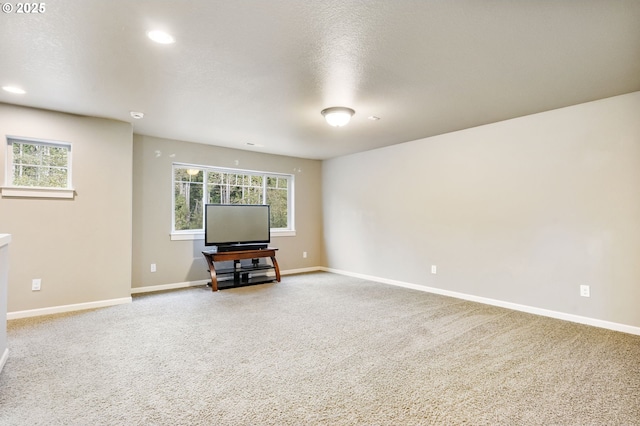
x=195 y=186
x=39 y=166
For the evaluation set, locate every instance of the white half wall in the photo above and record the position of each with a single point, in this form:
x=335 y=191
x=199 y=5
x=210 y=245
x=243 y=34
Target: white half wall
x=522 y=211
x=5 y=239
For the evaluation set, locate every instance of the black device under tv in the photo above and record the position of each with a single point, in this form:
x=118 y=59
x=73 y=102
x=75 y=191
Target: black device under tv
x=233 y=227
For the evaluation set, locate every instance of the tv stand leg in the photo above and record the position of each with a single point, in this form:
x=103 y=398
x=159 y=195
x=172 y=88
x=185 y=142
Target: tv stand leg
x=275 y=266
x=212 y=270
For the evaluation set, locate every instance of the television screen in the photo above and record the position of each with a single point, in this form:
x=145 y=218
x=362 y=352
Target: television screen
x=227 y=224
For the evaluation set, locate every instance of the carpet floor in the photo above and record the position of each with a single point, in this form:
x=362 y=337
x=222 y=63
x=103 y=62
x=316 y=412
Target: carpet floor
x=315 y=349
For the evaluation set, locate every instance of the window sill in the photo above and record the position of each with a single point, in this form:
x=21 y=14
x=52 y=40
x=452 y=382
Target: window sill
x=187 y=236
x=34 y=192
x=287 y=233
x=190 y=236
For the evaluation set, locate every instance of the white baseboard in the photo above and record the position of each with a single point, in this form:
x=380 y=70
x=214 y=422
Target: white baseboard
x=173 y=286
x=67 y=308
x=3 y=360
x=302 y=270
x=487 y=301
x=163 y=287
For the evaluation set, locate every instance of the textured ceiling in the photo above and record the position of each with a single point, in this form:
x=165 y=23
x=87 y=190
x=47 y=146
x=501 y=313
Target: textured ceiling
x=260 y=72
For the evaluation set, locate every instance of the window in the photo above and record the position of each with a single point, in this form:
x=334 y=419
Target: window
x=188 y=199
x=195 y=186
x=38 y=168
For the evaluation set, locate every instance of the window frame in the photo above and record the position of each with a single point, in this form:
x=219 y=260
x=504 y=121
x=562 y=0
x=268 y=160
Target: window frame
x=198 y=234
x=12 y=190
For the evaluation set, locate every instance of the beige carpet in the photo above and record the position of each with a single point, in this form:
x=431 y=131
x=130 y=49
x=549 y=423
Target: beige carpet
x=315 y=349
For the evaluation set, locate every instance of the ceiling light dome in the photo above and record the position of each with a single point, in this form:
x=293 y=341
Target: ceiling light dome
x=337 y=116
x=161 y=37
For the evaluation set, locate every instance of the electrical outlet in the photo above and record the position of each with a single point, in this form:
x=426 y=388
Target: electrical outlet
x=304 y=254
x=35 y=284
x=434 y=269
x=153 y=267
x=585 y=291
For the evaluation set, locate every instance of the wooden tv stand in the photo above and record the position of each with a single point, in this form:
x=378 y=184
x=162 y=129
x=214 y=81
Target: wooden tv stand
x=242 y=276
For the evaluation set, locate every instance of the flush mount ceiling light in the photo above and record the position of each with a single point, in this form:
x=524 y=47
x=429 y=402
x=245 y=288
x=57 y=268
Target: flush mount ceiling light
x=337 y=116
x=13 y=89
x=161 y=37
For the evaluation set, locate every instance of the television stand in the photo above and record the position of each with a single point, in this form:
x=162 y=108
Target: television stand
x=242 y=276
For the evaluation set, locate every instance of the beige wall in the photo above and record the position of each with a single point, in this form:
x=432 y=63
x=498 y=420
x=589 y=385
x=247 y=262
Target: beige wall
x=80 y=248
x=182 y=261
x=522 y=211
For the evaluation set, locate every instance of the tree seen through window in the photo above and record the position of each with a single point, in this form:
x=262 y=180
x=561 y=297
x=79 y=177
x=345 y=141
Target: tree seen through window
x=40 y=164
x=195 y=187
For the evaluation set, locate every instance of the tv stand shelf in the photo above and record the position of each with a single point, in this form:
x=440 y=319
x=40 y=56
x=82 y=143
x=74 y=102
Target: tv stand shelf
x=242 y=275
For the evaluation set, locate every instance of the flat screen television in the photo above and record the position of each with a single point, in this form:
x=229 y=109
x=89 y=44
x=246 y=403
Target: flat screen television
x=234 y=226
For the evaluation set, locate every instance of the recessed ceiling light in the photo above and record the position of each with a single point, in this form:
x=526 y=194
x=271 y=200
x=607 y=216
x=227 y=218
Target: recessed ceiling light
x=373 y=118
x=255 y=144
x=137 y=115
x=13 y=89
x=161 y=37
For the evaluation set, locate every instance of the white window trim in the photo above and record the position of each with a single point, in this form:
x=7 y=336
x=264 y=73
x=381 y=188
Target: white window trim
x=198 y=234
x=10 y=190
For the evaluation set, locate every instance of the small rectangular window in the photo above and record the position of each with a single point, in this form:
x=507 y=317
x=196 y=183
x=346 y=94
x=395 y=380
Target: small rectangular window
x=38 y=166
x=35 y=163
